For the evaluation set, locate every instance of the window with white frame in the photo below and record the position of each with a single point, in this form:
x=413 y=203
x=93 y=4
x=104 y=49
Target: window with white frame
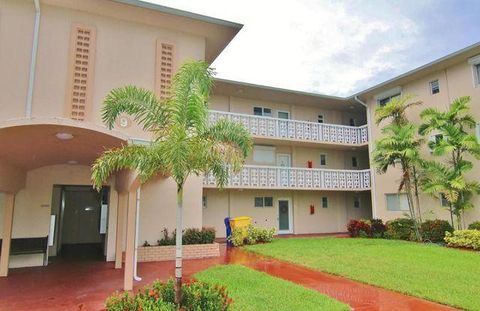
x=264 y=154
x=263 y=202
x=323 y=160
x=324 y=202
x=385 y=97
x=262 y=111
x=434 y=87
x=397 y=202
x=384 y=101
x=283 y=115
x=321 y=118
x=475 y=62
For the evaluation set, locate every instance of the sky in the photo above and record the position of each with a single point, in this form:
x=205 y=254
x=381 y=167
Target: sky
x=336 y=47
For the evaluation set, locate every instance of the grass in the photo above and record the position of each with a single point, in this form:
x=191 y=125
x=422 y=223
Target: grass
x=440 y=274
x=252 y=290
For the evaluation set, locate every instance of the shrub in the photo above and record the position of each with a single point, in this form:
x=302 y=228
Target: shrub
x=359 y=228
x=377 y=228
x=474 y=225
x=434 y=230
x=190 y=236
x=463 y=238
x=251 y=235
x=161 y=296
x=400 y=229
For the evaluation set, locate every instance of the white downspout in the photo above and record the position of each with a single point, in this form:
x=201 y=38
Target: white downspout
x=370 y=149
x=33 y=60
x=135 y=276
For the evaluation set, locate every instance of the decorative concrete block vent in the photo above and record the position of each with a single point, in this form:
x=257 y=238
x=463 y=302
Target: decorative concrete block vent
x=164 y=253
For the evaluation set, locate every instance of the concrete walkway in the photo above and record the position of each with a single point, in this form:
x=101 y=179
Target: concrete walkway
x=85 y=285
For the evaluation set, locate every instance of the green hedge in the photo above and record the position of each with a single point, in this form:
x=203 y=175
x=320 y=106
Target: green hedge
x=464 y=238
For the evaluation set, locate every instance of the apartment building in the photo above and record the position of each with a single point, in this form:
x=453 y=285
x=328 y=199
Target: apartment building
x=435 y=84
x=309 y=171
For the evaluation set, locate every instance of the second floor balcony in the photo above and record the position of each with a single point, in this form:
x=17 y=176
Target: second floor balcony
x=277 y=177
x=276 y=128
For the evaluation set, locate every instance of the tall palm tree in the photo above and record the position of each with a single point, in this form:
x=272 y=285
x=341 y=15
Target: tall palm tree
x=396 y=112
x=183 y=140
x=455 y=141
x=399 y=145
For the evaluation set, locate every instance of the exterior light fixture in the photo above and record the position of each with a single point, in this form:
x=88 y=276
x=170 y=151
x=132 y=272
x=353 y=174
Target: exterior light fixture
x=72 y=162
x=64 y=136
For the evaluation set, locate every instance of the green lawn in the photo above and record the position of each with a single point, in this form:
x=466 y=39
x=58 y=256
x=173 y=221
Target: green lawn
x=252 y=290
x=448 y=276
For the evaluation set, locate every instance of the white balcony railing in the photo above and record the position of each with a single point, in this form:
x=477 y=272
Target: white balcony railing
x=296 y=130
x=275 y=177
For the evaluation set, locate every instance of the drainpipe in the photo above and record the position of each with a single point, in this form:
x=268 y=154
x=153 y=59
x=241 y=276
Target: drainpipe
x=135 y=276
x=370 y=149
x=33 y=60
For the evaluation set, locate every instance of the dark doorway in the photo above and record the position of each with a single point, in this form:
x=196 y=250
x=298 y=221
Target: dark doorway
x=82 y=223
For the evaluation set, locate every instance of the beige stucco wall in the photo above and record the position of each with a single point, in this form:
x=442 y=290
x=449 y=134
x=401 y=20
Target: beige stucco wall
x=455 y=81
x=234 y=203
x=125 y=54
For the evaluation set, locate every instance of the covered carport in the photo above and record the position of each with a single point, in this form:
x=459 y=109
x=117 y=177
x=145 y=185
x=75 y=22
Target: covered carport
x=38 y=151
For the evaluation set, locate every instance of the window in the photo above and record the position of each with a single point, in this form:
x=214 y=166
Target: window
x=434 y=140
x=204 y=202
x=475 y=62
x=321 y=119
x=434 y=87
x=263 y=202
x=324 y=202
x=352 y=122
x=397 y=202
x=283 y=115
x=356 y=202
x=385 y=100
x=262 y=111
x=323 y=160
x=477 y=73
x=354 y=162
x=258 y=201
x=443 y=200
x=264 y=154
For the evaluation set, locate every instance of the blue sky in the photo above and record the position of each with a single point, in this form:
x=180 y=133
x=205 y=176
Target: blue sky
x=336 y=47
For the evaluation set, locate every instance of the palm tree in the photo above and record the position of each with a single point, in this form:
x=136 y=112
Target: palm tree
x=399 y=145
x=395 y=111
x=454 y=140
x=449 y=181
x=183 y=140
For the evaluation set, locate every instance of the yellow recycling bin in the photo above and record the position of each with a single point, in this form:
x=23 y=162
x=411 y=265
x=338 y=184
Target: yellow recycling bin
x=241 y=223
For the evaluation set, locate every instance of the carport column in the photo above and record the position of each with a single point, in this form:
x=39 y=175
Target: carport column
x=130 y=247
x=7 y=233
x=120 y=235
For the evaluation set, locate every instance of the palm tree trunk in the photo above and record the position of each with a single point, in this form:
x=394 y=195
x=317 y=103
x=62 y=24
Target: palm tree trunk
x=417 y=198
x=451 y=215
x=178 y=246
x=412 y=209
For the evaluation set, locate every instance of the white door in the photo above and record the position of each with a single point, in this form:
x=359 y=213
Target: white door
x=285 y=216
x=284 y=160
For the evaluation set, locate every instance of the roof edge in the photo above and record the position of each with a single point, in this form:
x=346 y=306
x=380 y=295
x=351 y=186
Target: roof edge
x=181 y=13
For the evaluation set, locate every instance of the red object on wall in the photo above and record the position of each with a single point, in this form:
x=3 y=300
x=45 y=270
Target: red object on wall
x=309 y=164
x=312 y=209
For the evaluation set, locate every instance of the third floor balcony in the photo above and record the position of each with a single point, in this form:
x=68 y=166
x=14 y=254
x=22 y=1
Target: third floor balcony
x=295 y=130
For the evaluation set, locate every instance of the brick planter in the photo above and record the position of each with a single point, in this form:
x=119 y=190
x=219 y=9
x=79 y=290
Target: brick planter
x=164 y=253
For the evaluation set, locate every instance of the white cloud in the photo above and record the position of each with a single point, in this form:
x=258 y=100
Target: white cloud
x=329 y=47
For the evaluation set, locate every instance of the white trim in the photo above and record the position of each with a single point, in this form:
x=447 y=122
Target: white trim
x=290 y=216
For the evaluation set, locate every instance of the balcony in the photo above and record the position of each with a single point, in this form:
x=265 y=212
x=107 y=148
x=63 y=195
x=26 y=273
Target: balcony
x=276 y=177
x=275 y=128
